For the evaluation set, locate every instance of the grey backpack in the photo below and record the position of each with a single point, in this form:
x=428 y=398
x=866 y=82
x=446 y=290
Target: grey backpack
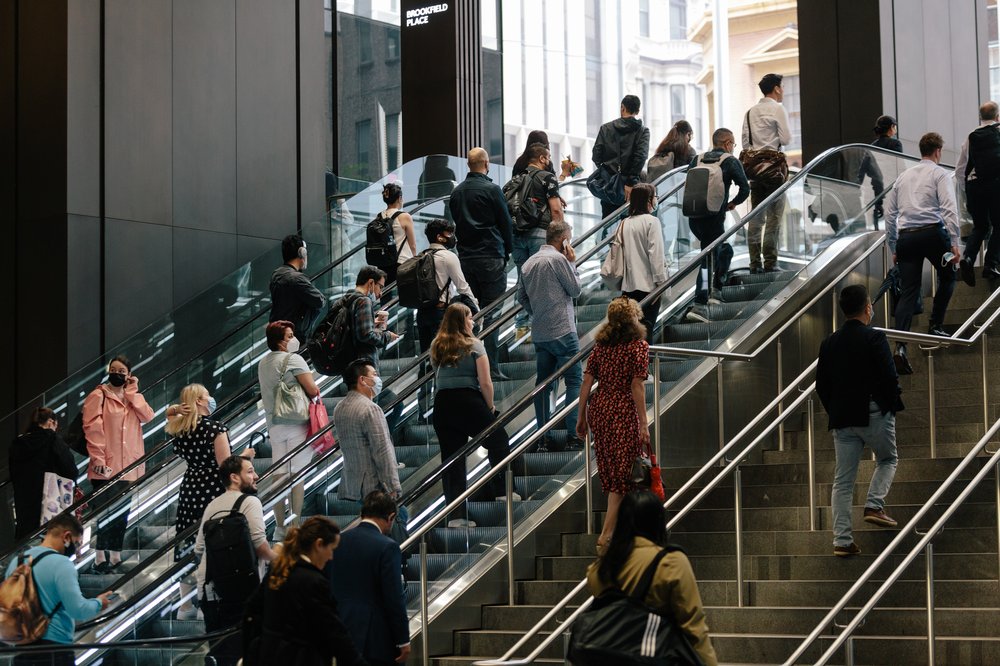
x=705 y=188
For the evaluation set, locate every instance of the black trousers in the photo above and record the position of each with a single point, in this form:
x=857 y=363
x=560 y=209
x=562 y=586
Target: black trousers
x=912 y=248
x=650 y=311
x=487 y=277
x=112 y=535
x=221 y=615
x=715 y=265
x=983 y=201
x=458 y=415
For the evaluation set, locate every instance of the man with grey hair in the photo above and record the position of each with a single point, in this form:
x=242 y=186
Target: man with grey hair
x=978 y=174
x=549 y=283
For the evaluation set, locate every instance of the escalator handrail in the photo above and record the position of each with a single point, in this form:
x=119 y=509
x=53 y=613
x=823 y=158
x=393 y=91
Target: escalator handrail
x=165 y=641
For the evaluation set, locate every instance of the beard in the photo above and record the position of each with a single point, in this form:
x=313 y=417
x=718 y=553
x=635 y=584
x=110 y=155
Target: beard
x=248 y=489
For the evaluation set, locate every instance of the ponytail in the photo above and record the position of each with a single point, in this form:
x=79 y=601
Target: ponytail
x=297 y=541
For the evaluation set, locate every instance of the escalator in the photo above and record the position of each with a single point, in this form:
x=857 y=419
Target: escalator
x=542 y=478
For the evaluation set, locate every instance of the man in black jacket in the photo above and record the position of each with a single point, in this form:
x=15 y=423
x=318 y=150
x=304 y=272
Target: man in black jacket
x=856 y=381
x=293 y=296
x=485 y=239
x=623 y=143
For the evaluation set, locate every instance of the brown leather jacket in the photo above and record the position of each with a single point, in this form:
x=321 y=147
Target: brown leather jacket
x=674 y=590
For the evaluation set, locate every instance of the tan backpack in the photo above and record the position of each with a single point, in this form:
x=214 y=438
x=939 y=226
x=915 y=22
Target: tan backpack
x=22 y=619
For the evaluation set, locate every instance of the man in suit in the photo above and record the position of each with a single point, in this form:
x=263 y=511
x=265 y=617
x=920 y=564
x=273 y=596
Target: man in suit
x=366 y=579
x=857 y=382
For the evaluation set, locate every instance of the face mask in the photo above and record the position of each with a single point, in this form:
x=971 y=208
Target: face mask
x=451 y=242
x=377 y=388
x=292 y=345
x=212 y=404
x=69 y=549
x=116 y=379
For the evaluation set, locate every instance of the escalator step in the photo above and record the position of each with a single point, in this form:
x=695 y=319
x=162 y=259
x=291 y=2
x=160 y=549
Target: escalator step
x=416 y=455
x=539 y=486
x=494 y=514
x=463 y=540
x=545 y=464
x=438 y=565
x=691 y=332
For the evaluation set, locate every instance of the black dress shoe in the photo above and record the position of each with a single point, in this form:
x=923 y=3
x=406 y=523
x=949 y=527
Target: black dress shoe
x=574 y=443
x=968 y=272
x=903 y=366
x=497 y=375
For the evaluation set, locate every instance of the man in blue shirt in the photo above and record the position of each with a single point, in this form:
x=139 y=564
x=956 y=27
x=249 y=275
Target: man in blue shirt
x=921 y=222
x=58 y=588
x=549 y=283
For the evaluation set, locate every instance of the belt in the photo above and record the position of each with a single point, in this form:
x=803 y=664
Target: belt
x=923 y=227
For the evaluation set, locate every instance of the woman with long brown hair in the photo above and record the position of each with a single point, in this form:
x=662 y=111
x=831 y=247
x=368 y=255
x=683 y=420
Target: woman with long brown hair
x=292 y=617
x=617 y=412
x=463 y=403
x=675 y=150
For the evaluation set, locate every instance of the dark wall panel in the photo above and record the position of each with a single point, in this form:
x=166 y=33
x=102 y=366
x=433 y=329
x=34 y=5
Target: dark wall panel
x=265 y=121
x=83 y=96
x=138 y=110
x=83 y=290
x=139 y=276
x=201 y=258
x=204 y=115
x=8 y=197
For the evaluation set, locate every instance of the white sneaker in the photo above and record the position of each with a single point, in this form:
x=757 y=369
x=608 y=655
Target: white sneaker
x=715 y=297
x=400 y=465
x=190 y=614
x=503 y=498
x=461 y=522
x=697 y=313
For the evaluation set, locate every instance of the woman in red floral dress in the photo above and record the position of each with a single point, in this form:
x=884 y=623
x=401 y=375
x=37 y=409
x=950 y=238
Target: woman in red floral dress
x=617 y=412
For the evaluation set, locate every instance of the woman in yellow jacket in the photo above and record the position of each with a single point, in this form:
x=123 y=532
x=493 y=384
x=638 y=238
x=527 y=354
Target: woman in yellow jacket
x=113 y=414
x=639 y=536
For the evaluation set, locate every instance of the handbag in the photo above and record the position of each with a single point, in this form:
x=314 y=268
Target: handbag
x=57 y=495
x=658 y=165
x=290 y=402
x=766 y=166
x=608 y=185
x=646 y=473
x=319 y=418
x=620 y=629
x=613 y=267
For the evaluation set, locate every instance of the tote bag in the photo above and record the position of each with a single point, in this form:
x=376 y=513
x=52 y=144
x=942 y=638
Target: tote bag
x=319 y=418
x=57 y=495
x=613 y=268
x=290 y=402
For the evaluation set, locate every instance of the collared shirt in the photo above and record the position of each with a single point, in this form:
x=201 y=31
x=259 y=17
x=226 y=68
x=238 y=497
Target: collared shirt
x=549 y=283
x=369 y=457
x=368 y=338
x=482 y=219
x=448 y=267
x=963 y=158
x=921 y=196
x=769 y=124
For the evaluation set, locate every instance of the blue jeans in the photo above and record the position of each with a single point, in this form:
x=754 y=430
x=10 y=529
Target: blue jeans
x=880 y=436
x=525 y=246
x=549 y=357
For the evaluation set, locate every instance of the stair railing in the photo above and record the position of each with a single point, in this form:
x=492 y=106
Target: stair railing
x=925 y=544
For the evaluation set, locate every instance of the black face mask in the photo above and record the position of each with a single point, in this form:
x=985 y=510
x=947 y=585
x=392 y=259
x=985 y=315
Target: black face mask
x=450 y=242
x=69 y=550
x=116 y=379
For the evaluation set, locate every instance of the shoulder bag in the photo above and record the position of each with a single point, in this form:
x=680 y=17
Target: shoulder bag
x=765 y=166
x=290 y=402
x=621 y=629
x=613 y=268
x=607 y=182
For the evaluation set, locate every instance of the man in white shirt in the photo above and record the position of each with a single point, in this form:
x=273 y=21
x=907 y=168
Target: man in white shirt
x=450 y=279
x=978 y=175
x=921 y=222
x=765 y=125
x=241 y=479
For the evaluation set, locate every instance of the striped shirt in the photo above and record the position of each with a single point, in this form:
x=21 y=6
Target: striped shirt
x=369 y=456
x=549 y=283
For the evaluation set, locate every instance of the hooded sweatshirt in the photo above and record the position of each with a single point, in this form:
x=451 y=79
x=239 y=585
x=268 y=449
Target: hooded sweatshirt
x=32 y=455
x=623 y=143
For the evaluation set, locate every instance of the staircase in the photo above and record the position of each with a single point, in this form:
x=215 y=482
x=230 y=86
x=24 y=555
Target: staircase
x=792 y=577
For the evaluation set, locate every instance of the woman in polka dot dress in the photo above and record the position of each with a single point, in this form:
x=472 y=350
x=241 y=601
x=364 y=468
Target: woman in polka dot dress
x=617 y=411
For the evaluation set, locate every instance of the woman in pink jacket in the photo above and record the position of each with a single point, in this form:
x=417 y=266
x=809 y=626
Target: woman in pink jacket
x=113 y=414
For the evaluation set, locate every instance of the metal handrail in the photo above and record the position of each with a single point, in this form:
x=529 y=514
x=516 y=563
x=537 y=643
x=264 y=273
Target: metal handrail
x=993 y=464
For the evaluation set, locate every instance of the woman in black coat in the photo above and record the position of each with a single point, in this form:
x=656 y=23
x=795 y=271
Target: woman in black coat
x=39 y=450
x=292 y=617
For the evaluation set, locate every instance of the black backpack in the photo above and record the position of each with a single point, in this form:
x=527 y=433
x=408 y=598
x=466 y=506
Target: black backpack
x=230 y=558
x=75 y=438
x=527 y=209
x=619 y=628
x=380 y=244
x=416 y=281
x=331 y=346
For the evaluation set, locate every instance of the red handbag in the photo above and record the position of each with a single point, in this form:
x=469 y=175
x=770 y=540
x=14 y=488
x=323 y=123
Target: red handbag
x=319 y=419
x=646 y=472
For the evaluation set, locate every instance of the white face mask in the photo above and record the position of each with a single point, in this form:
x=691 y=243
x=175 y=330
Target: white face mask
x=292 y=345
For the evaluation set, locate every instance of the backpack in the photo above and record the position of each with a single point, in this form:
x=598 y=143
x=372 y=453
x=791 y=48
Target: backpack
x=230 y=558
x=704 y=187
x=380 y=243
x=984 y=153
x=75 y=438
x=659 y=165
x=620 y=629
x=22 y=619
x=416 y=281
x=331 y=346
x=527 y=210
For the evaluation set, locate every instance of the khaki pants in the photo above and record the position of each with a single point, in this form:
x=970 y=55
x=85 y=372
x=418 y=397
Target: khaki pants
x=767 y=225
